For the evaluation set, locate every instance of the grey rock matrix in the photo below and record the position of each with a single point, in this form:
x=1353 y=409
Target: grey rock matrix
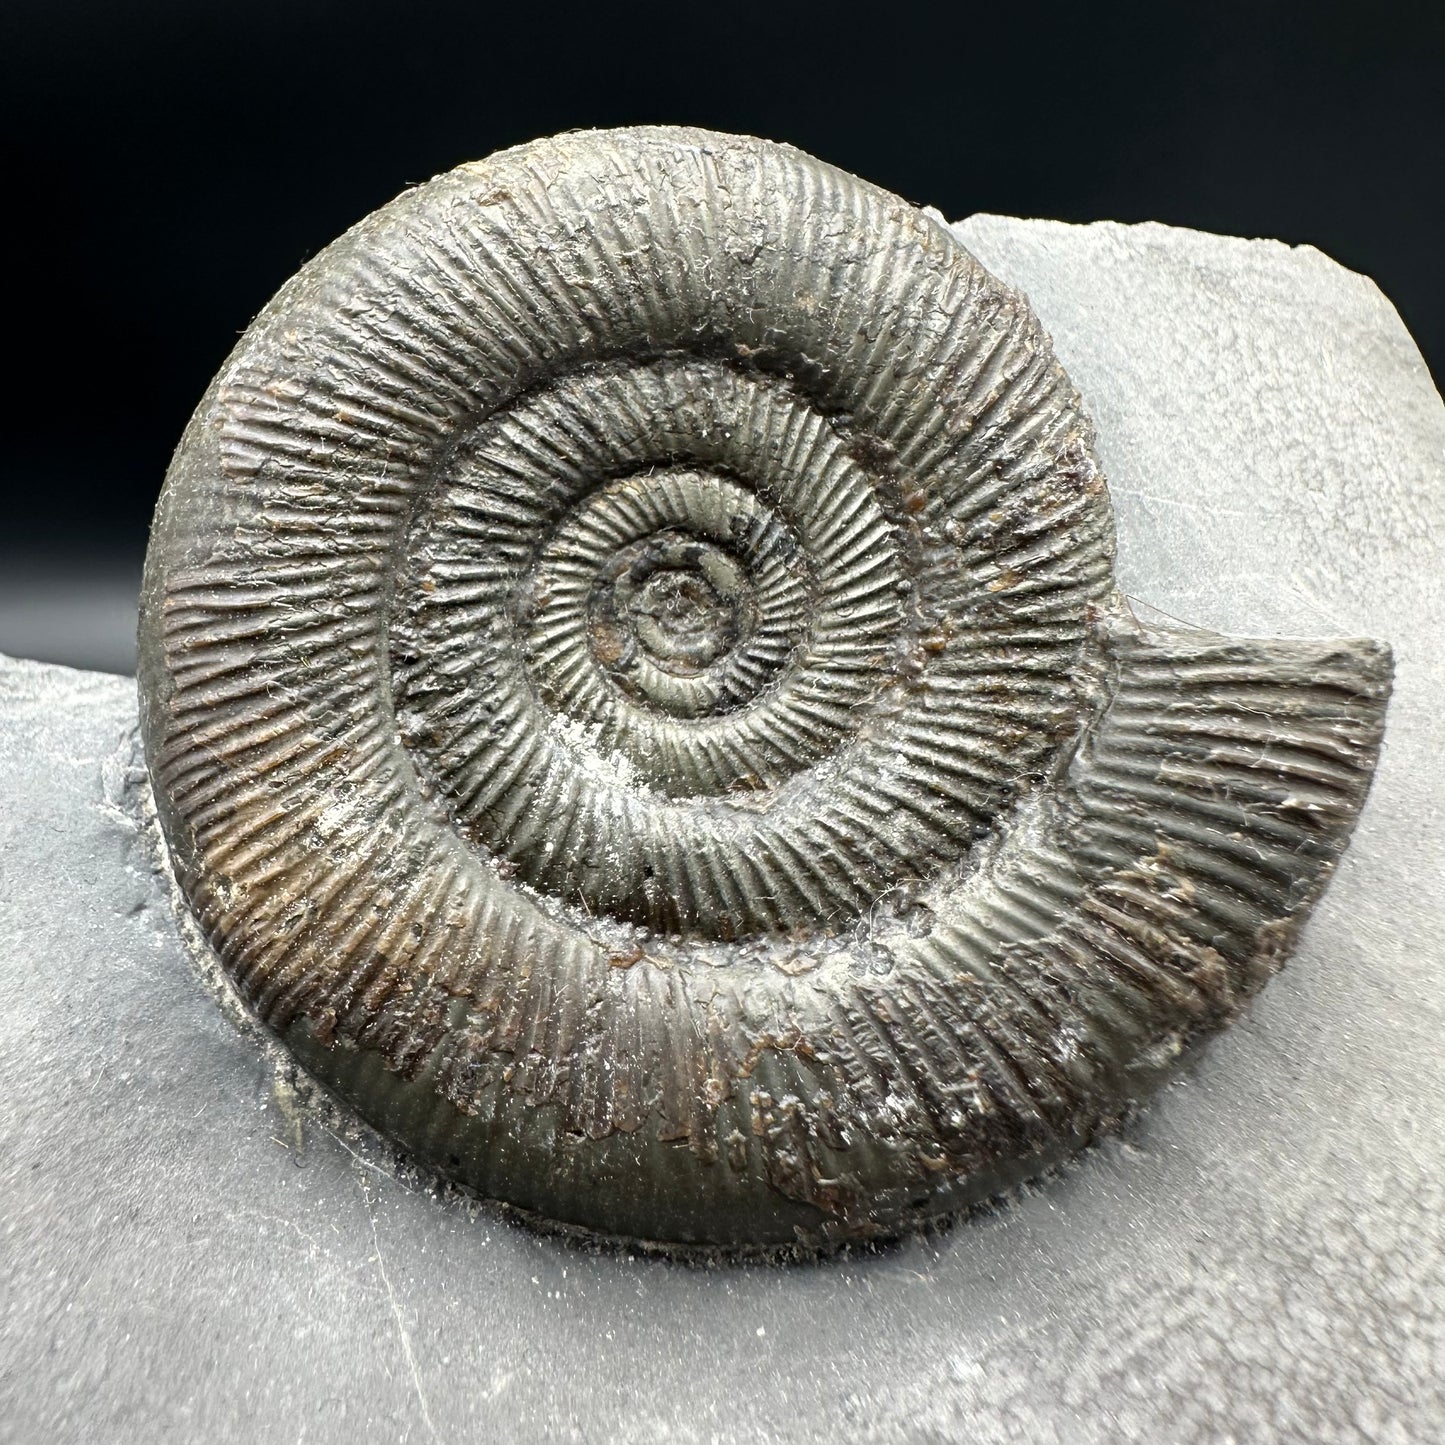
x=1259 y=1256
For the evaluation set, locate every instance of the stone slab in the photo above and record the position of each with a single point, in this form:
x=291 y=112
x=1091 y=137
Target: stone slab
x=185 y=1253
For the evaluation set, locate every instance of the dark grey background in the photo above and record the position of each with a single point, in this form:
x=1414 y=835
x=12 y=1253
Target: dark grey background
x=170 y=163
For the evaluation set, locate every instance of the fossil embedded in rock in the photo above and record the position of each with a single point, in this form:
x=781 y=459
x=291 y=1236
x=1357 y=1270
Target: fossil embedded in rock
x=638 y=701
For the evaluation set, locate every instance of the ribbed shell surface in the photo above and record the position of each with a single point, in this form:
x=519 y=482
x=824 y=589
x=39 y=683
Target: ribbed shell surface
x=637 y=700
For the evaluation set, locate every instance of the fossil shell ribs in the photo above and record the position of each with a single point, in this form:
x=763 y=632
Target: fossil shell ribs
x=637 y=699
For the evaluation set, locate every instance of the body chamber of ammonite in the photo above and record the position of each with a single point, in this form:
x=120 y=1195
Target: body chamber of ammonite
x=638 y=702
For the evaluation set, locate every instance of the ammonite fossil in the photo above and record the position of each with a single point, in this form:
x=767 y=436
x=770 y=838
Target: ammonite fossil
x=638 y=701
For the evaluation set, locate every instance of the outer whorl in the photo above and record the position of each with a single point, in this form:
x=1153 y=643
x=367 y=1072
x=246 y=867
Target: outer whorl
x=637 y=700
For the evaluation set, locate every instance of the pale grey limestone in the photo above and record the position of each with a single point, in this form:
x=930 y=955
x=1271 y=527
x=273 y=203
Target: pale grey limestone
x=185 y=1254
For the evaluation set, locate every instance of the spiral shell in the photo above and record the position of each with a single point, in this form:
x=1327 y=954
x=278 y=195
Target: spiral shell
x=638 y=702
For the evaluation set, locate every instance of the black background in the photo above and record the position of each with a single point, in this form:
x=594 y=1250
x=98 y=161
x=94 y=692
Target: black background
x=171 y=162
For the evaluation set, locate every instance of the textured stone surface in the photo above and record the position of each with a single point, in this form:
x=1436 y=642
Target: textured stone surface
x=184 y=1253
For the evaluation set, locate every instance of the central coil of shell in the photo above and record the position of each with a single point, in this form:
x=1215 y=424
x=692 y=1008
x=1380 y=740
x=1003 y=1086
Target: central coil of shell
x=682 y=649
